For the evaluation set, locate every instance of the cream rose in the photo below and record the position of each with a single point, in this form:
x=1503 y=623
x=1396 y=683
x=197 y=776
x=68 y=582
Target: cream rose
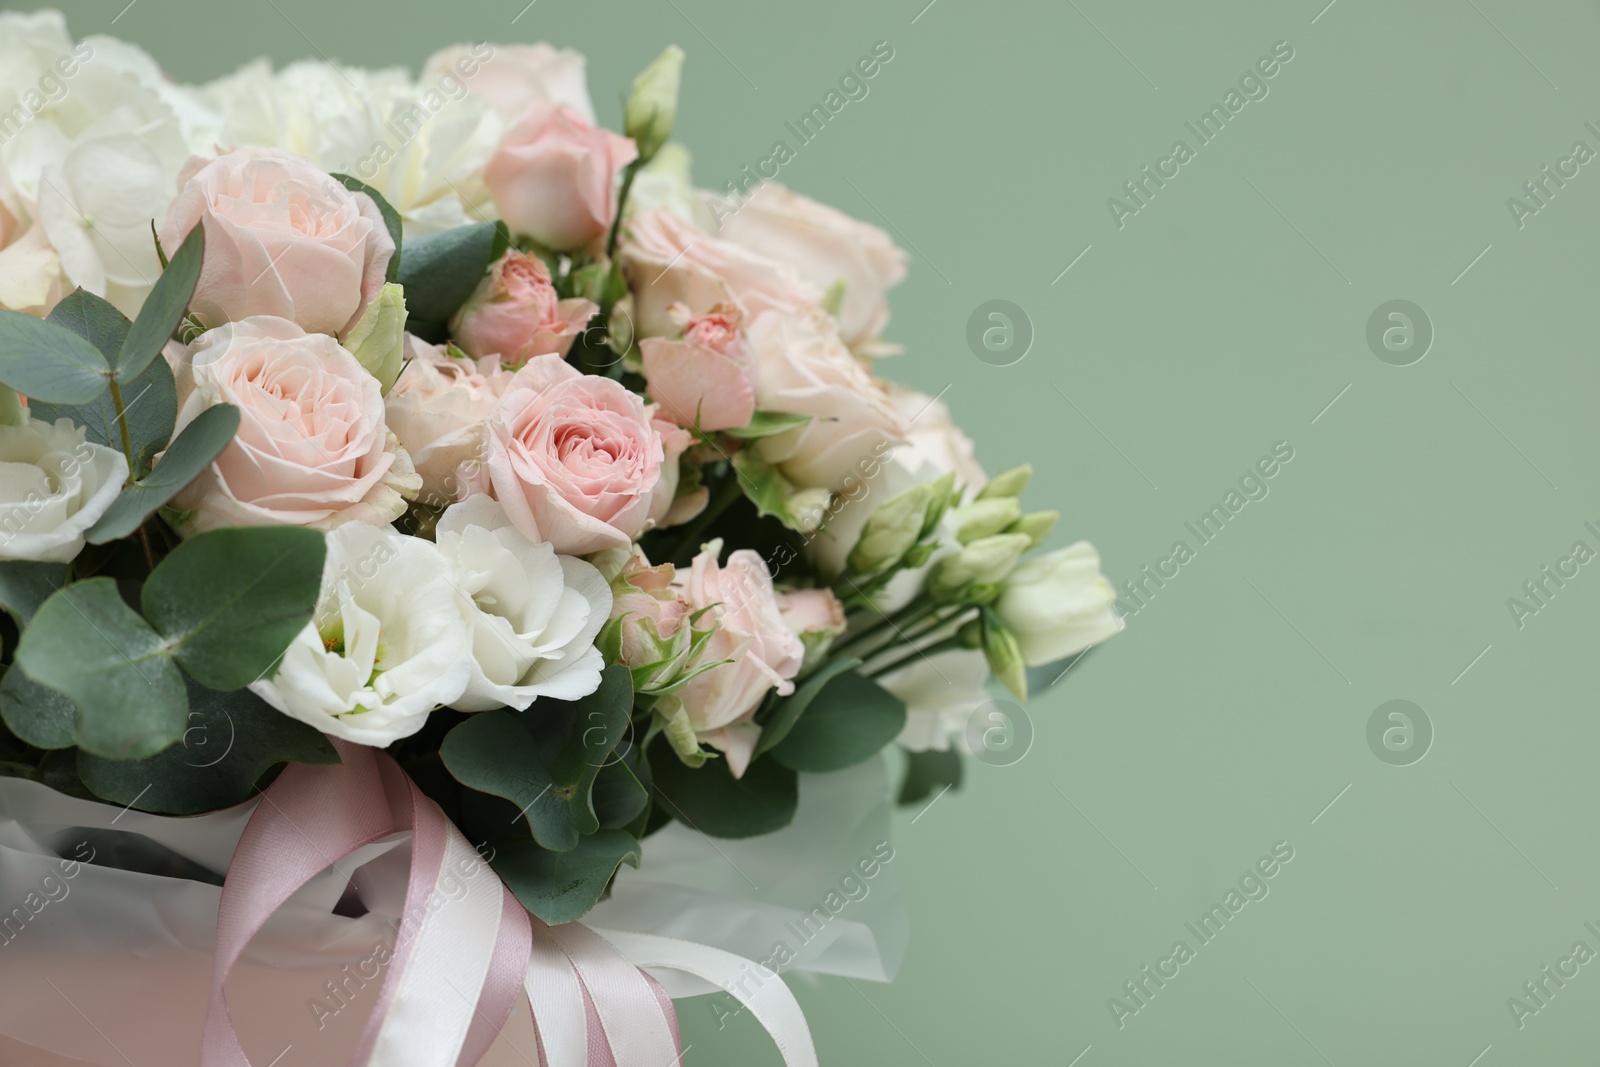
x=515 y=313
x=511 y=76
x=824 y=246
x=579 y=460
x=312 y=448
x=554 y=177
x=54 y=485
x=668 y=260
x=1059 y=604
x=803 y=367
x=763 y=652
x=437 y=409
x=387 y=645
x=282 y=238
x=532 y=615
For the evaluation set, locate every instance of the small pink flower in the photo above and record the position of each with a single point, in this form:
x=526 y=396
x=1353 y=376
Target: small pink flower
x=515 y=314
x=438 y=409
x=706 y=379
x=578 y=460
x=554 y=176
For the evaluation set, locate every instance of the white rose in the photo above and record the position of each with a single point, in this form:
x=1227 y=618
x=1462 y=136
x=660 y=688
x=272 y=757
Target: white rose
x=825 y=246
x=54 y=485
x=509 y=76
x=387 y=645
x=533 y=615
x=941 y=692
x=1059 y=604
x=437 y=409
x=803 y=367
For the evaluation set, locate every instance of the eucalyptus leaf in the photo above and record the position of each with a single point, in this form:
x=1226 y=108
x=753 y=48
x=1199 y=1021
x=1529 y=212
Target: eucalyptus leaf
x=790 y=708
x=87 y=644
x=38 y=715
x=44 y=361
x=163 y=309
x=559 y=887
x=24 y=585
x=229 y=742
x=200 y=442
x=710 y=799
x=494 y=752
x=391 y=218
x=229 y=601
x=851 y=719
x=94 y=319
x=149 y=402
x=440 y=271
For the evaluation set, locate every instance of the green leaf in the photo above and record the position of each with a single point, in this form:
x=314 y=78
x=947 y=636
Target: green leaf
x=496 y=752
x=200 y=442
x=768 y=423
x=25 y=585
x=618 y=797
x=850 y=721
x=788 y=709
x=229 y=601
x=772 y=494
x=711 y=800
x=230 y=741
x=150 y=402
x=86 y=643
x=391 y=218
x=440 y=271
x=559 y=887
x=163 y=309
x=93 y=319
x=42 y=717
x=43 y=361
x=545 y=761
x=927 y=773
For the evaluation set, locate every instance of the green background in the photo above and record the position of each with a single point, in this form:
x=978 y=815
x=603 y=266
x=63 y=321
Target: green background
x=1222 y=319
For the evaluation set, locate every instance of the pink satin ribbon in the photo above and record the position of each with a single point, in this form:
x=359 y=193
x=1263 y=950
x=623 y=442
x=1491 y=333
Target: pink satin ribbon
x=591 y=1006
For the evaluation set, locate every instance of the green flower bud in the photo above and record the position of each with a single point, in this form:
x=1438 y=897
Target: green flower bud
x=892 y=530
x=985 y=562
x=1004 y=653
x=378 y=341
x=985 y=518
x=1007 y=483
x=653 y=104
x=1036 y=524
x=10 y=407
x=944 y=495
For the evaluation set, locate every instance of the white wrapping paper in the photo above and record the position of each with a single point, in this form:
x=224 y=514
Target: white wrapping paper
x=111 y=967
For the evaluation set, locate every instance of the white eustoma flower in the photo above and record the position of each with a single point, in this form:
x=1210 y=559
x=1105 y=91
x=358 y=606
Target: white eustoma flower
x=533 y=615
x=422 y=145
x=1059 y=604
x=941 y=692
x=54 y=485
x=387 y=645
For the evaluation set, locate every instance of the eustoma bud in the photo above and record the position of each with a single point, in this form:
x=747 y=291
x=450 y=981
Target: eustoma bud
x=653 y=104
x=985 y=518
x=378 y=339
x=1036 y=524
x=1004 y=653
x=893 y=529
x=977 y=569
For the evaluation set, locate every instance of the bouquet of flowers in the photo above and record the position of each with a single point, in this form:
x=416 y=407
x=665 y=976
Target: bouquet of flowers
x=391 y=460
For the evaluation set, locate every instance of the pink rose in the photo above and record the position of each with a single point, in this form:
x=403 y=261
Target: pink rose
x=653 y=630
x=669 y=261
x=282 y=239
x=312 y=448
x=509 y=76
x=30 y=270
x=438 y=409
x=823 y=246
x=515 y=313
x=706 y=379
x=803 y=366
x=578 y=460
x=812 y=611
x=554 y=176
x=765 y=653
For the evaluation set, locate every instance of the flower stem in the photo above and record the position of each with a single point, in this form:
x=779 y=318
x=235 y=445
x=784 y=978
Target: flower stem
x=945 y=645
x=628 y=174
x=915 y=611
x=127 y=450
x=726 y=495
